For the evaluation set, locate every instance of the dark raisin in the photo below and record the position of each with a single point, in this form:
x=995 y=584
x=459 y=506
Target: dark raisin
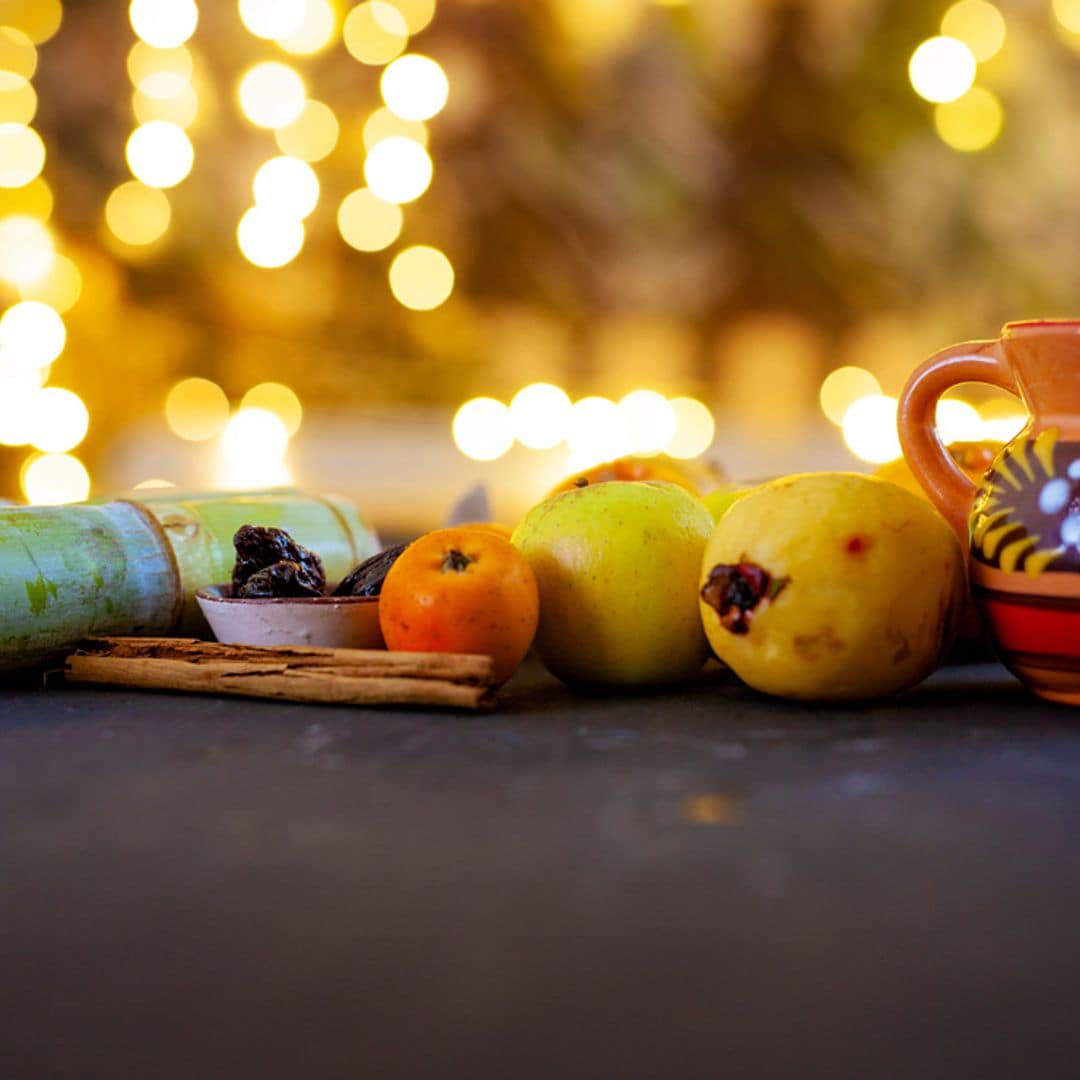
x=367 y=578
x=258 y=548
x=737 y=592
x=285 y=578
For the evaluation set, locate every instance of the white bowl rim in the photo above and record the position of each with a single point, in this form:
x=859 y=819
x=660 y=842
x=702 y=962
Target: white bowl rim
x=219 y=594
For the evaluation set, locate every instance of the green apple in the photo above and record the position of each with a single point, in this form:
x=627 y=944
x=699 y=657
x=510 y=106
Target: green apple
x=721 y=499
x=617 y=565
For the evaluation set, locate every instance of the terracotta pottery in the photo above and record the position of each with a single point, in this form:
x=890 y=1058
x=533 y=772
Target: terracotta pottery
x=1023 y=521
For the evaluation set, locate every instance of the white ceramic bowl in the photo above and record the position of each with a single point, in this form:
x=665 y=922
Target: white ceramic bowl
x=336 y=622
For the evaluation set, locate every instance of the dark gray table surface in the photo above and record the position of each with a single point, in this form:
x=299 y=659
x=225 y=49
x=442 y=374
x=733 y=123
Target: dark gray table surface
x=702 y=883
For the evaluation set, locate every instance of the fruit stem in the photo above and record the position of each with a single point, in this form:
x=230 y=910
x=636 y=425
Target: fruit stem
x=456 y=560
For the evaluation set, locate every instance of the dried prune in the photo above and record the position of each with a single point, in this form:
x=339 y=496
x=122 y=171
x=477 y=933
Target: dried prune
x=367 y=578
x=259 y=547
x=284 y=578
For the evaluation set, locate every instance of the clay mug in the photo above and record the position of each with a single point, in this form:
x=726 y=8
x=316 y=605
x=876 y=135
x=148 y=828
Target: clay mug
x=1022 y=523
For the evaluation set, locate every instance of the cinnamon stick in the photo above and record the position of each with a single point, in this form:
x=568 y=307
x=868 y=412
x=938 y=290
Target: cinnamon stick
x=336 y=676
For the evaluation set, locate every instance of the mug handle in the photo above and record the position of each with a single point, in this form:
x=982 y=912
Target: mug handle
x=941 y=478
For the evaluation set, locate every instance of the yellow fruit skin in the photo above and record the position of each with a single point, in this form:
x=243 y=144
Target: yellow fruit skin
x=875 y=587
x=617 y=566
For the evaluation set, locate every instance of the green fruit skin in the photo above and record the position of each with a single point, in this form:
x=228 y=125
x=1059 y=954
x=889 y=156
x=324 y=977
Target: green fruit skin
x=720 y=500
x=875 y=583
x=617 y=567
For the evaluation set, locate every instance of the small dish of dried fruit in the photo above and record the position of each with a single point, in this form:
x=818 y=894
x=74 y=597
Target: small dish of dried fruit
x=279 y=596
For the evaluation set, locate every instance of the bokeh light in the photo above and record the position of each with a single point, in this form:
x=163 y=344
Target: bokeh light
x=60 y=288
x=375 y=32
x=383 y=124
x=843 y=386
x=17 y=52
x=316 y=31
x=253 y=449
x=972 y=122
x=482 y=429
x=418 y=13
x=869 y=427
x=598 y=432
x=957 y=421
x=59 y=420
x=272 y=94
x=398 y=170
x=144 y=61
x=695 y=428
x=650 y=420
x=164 y=23
x=1067 y=13
x=414 y=87
x=34 y=199
x=196 y=409
x=540 y=415
x=26 y=250
x=137 y=214
x=286 y=186
x=182 y=109
x=16 y=409
x=269 y=239
x=160 y=154
x=22 y=155
x=38 y=19
x=276 y=398
x=32 y=335
x=272 y=19
x=421 y=277
x=312 y=135
x=55 y=479
x=367 y=223
x=978 y=24
x=18 y=99
x=942 y=69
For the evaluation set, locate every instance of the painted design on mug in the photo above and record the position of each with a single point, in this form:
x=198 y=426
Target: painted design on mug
x=1027 y=512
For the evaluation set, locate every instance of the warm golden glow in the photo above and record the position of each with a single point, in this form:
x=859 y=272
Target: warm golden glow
x=16 y=406
x=38 y=19
x=869 y=427
x=144 y=60
x=312 y=135
x=286 y=186
x=421 y=277
x=269 y=239
x=137 y=214
x=32 y=335
x=650 y=420
x=383 y=124
x=34 y=199
x=26 y=250
x=1067 y=13
x=272 y=94
x=414 y=87
x=315 y=33
x=695 y=428
x=272 y=19
x=972 y=122
x=17 y=52
x=418 y=13
x=276 y=398
x=18 y=99
x=375 y=32
x=60 y=288
x=398 y=170
x=160 y=154
x=154 y=483
x=482 y=429
x=957 y=421
x=843 y=386
x=196 y=409
x=55 y=479
x=22 y=155
x=978 y=24
x=367 y=223
x=182 y=110
x=942 y=69
x=253 y=448
x=540 y=415
x=59 y=420
x=163 y=23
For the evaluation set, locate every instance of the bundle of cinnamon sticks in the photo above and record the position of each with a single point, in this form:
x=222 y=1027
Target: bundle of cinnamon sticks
x=289 y=673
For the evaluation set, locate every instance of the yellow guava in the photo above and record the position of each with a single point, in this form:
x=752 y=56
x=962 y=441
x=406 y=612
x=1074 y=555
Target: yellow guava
x=831 y=587
x=617 y=566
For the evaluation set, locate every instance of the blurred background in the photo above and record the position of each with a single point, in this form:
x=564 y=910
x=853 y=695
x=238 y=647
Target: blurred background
x=399 y=247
